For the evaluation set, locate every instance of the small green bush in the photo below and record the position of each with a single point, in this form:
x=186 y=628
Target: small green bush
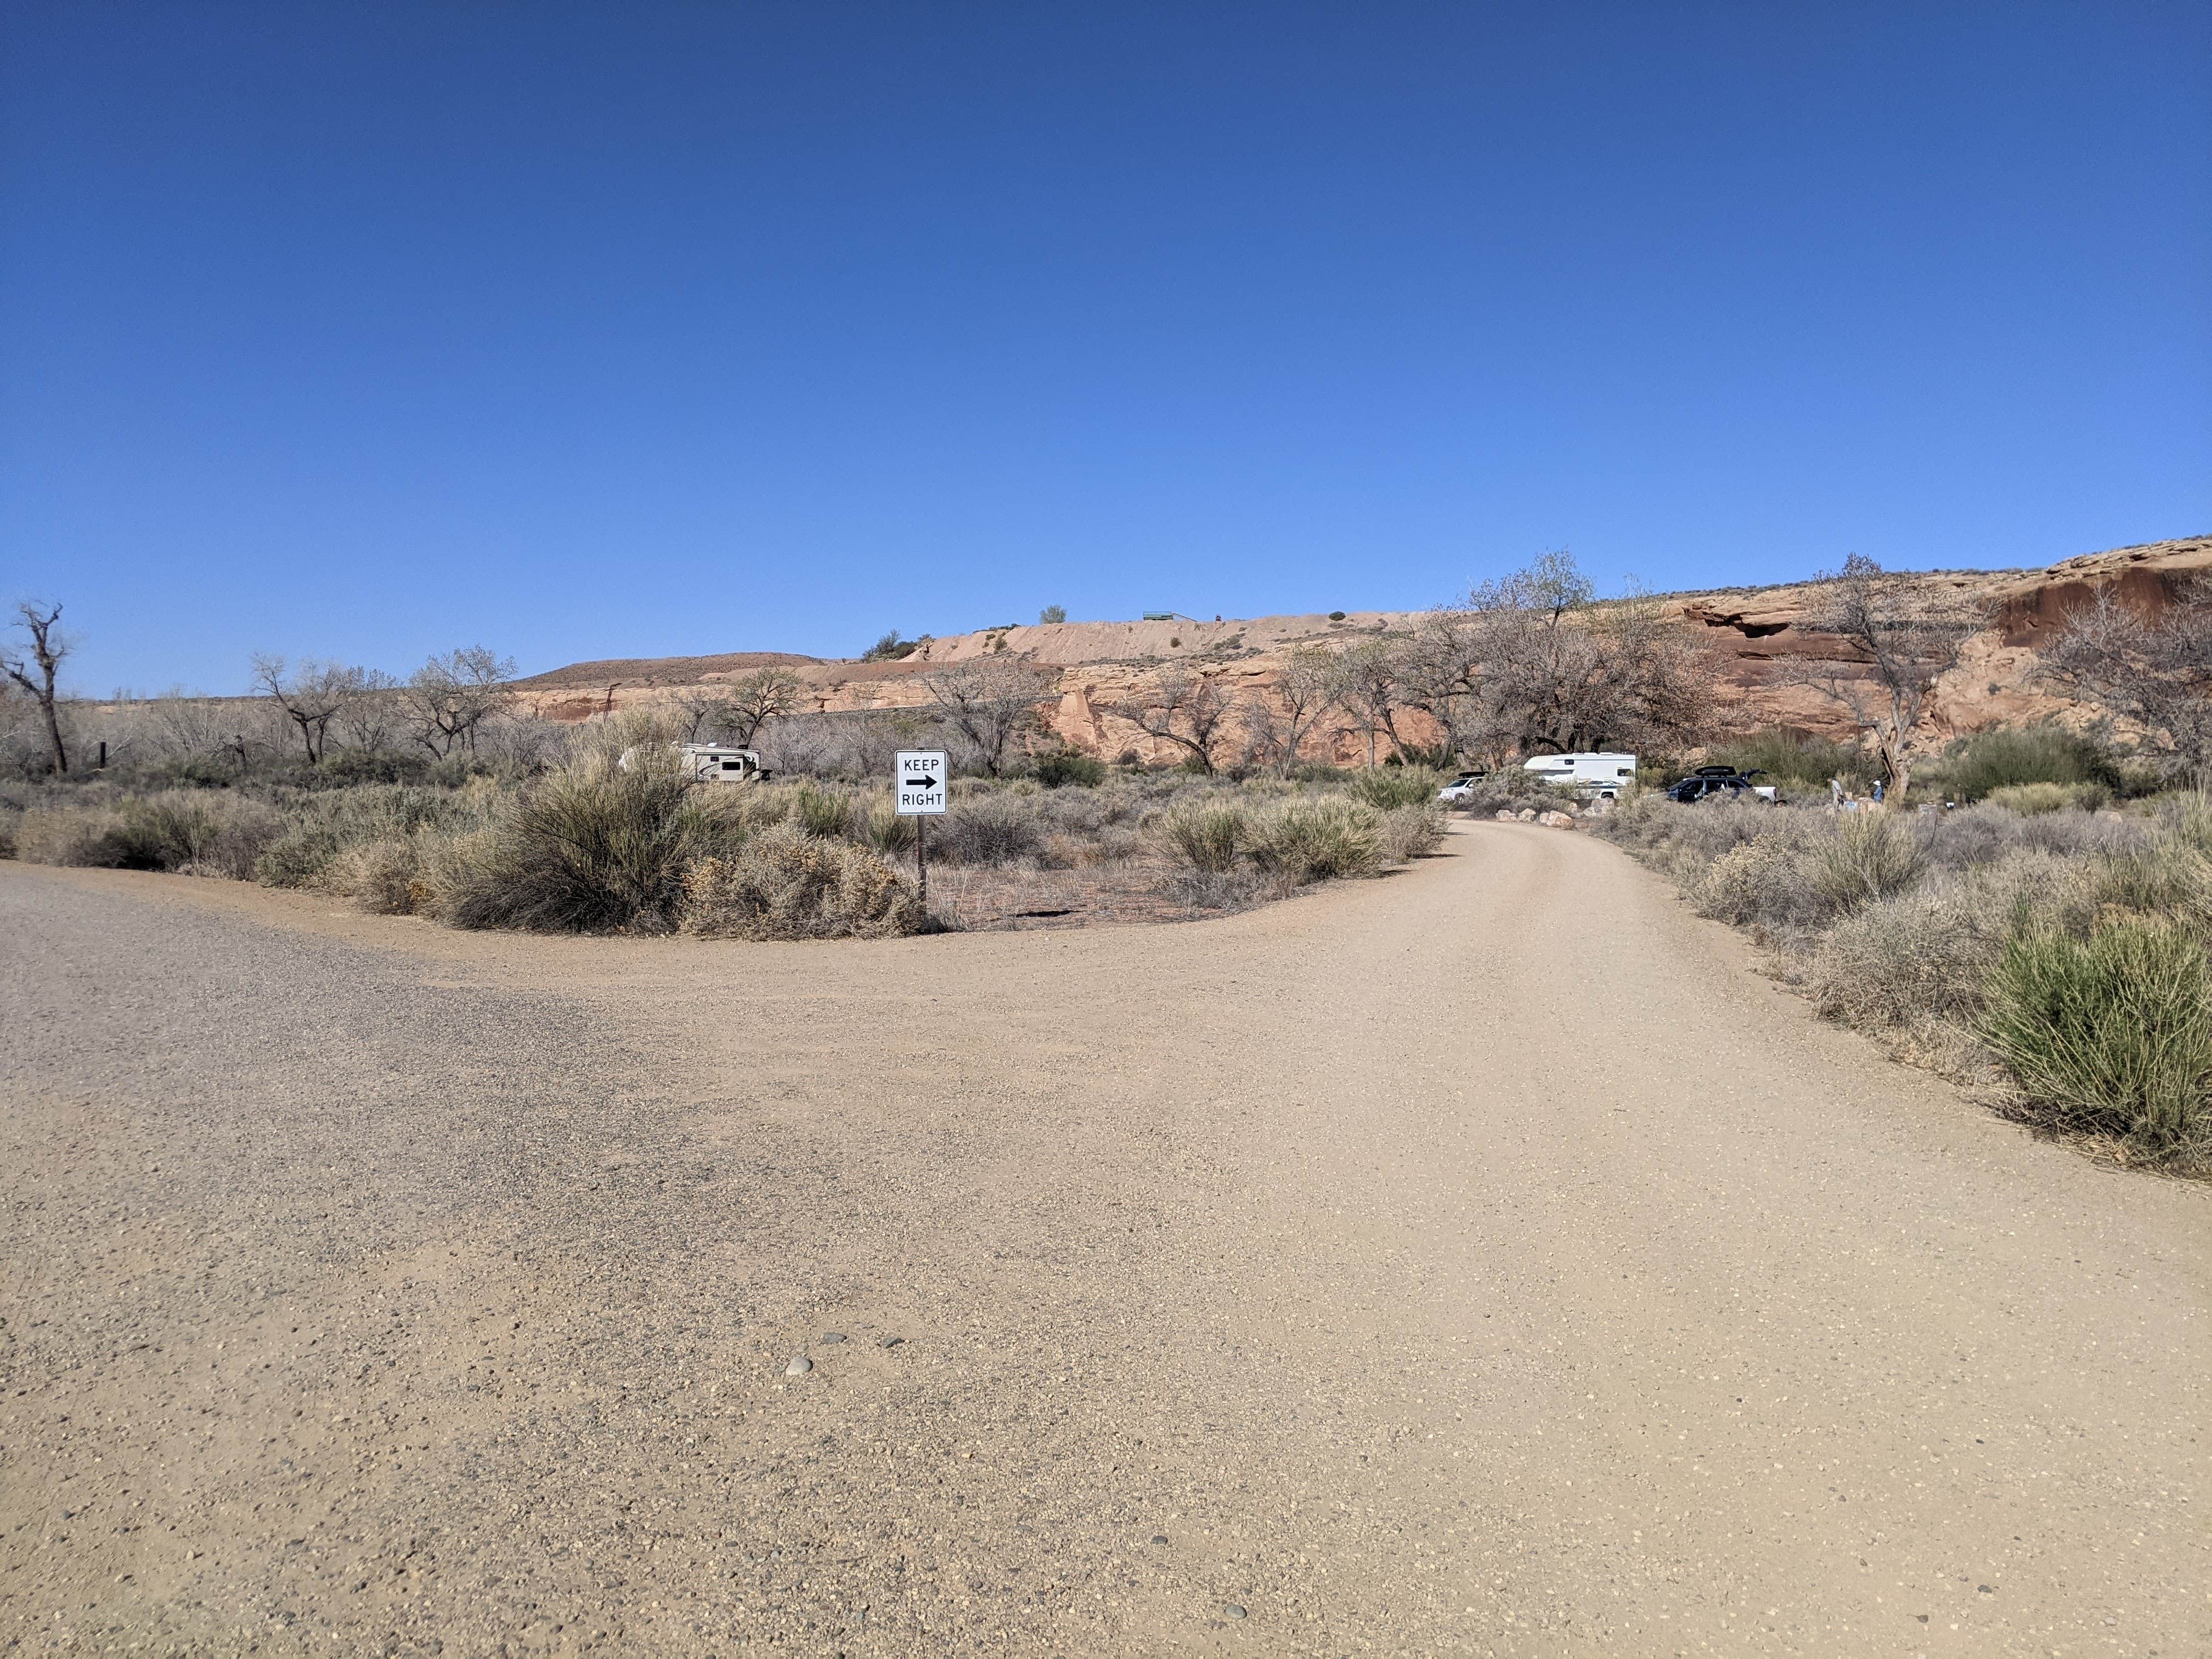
x=786 y=886
x=1872 y=855
x=822 y=811
x=886 y=831
x=1057 y=768
x=2003 y=757
x=1318 y=840
x=2112 y=1036
x=2029 y=799
x=1204 y=837
x=1385 y=788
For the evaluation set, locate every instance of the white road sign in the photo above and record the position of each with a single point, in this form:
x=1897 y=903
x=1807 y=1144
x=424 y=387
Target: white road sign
x=918 y=784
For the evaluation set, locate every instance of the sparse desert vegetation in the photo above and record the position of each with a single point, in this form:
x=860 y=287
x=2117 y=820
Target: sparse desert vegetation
x=2054 y=954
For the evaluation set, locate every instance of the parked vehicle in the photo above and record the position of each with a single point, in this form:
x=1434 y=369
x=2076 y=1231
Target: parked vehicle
x=711 y=763
x=1460 y=786
x=1596 y=775
x=1721 y=783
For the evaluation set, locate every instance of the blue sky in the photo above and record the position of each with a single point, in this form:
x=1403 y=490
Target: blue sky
x=365 y=331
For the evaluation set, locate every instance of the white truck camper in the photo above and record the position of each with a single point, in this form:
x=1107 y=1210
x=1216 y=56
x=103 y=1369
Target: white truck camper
x=711 y=763
x=1595 y=776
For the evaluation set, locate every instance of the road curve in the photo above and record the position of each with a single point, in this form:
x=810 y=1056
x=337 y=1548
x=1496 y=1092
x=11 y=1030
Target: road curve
x=1483 y=1260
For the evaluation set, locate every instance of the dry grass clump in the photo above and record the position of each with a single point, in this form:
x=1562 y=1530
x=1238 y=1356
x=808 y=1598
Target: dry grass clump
x=1413 y=830
x=788 y=885
x=1870 y=856
x=2029 y=799
x=1767 y=883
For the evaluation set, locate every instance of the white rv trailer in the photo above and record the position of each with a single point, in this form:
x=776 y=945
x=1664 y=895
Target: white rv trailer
x=1599 y=775
x=711 y=763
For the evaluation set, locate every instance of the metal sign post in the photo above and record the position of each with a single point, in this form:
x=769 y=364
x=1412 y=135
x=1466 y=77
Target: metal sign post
x=918 y=788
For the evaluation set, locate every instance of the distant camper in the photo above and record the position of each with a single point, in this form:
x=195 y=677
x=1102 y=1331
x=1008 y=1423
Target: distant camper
x=1601 y=776
x=709 y=764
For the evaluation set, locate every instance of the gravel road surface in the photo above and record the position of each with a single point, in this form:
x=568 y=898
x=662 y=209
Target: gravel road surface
x=1480 y=1260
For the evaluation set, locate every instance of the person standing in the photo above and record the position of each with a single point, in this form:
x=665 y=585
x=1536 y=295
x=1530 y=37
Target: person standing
x=1835 y=794
x=1877 y=791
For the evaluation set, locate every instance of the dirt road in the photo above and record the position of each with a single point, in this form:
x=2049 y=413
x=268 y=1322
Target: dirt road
x=1480 y=1260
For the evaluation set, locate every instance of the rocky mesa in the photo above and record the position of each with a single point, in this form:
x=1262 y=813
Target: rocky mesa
x=1754 y=637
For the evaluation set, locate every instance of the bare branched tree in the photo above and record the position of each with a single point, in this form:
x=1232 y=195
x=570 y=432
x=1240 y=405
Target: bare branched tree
x=35 y=673
x=1535 y=665
x=311 y=694
x=2153 y=672
x=762 y=695
x=1190 y=711
x=993 y=704
x=371 y=712
x=450 y=696
x=1899 y=646
x=1364 y=683
x=1279 y=724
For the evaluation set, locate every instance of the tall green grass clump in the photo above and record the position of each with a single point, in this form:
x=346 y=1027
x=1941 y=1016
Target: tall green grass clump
x=1799 y=765
x=1387 y=787
x=1319 y=840
x=1202 y=837
x=2006 y=757
x=2114 y=1035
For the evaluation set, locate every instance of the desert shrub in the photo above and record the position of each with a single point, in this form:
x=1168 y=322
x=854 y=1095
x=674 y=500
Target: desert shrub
x=383 y=877
x=1056 y=769
x=1318 y=840
x=298 y=858
x=1411 y=830
x=988 y=830
x=593 y=846
x=1384 y=787
x=786 y=886
x=85 y=836
x=1203 y=837
x=1978 y=767
x=821 y=811
x=2113 y=1035
x=1871 y=855
x=2030 y=799
x=1929 y=953
x=884 y=831
x=202 y=831
x=1769 y=881
x=1217 y=890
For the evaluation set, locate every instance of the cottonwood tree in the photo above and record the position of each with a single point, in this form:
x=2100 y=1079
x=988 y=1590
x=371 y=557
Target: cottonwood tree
x=1365 y=684
x=371 y=712
x=734 y=713
x=35 y=672
x=449 y=698
x=1277 y=726
x=1900 y=646
x=2153 y=672
x=993 y=704
x=1188 y=710
x=1536 y=665
x=311 y=694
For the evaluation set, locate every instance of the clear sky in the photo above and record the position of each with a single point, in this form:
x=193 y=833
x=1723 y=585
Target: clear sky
x=366 y=330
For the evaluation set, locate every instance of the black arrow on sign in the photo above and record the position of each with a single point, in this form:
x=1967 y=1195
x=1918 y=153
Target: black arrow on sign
x=921 y=783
